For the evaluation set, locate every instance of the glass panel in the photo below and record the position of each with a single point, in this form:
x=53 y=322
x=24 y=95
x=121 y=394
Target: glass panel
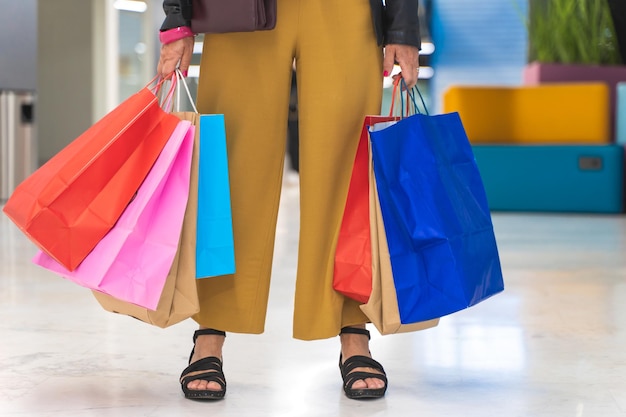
x=136 y=38
x=132 y=53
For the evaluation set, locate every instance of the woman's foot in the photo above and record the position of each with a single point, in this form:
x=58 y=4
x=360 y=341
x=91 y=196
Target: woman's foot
x=363 y=376
x=204 y=378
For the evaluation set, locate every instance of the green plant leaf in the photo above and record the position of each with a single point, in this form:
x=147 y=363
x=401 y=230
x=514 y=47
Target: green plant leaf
x=571 y=32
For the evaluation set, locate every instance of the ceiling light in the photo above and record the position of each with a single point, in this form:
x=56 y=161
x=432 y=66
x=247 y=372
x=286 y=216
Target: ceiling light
x=131 y=5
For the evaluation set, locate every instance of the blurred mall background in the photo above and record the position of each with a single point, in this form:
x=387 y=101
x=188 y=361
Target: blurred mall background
x=65 y=63
x=551 y=345
x=79 y=58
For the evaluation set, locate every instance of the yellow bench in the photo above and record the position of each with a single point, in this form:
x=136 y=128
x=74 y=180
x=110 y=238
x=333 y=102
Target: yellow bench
x=547 y=113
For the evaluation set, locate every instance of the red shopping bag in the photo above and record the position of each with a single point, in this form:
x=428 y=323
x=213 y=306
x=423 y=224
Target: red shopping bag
x=73 y=200
x=133 y=260
x=353 y=257
x=382 y=306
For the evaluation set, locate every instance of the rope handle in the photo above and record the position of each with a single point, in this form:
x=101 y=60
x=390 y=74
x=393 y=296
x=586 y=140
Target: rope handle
x=182 y=81
x=177 y=79
x=411 y=104
x=157 y=90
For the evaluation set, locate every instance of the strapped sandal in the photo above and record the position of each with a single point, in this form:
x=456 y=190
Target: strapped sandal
x=207 y=369
x=358 y=361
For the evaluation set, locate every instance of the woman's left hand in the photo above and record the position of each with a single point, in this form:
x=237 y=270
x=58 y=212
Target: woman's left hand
x=407 y=57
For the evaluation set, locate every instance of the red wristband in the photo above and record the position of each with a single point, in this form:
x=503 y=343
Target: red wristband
x=171 y=35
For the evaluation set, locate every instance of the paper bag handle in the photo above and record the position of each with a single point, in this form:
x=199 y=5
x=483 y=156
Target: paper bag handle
x=182 y=81
x=411 y=105
x=166 y=102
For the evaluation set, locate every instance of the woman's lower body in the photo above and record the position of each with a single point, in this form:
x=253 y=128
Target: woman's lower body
x=246 y=77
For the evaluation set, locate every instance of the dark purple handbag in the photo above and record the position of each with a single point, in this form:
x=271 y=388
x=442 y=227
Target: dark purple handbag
x=222 y=16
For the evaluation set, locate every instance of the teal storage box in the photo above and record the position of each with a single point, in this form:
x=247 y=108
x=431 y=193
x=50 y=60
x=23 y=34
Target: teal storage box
x=559 y=178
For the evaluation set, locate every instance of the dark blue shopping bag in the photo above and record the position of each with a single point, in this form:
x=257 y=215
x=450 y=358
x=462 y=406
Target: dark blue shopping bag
x=443 y=250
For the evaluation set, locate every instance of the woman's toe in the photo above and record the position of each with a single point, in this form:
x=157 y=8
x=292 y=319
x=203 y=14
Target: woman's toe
x=359 y=384
x=195 y=385
x=374 y=383
x=213 y=386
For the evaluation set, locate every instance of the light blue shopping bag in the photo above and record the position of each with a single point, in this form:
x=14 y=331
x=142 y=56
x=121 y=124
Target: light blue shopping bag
x=215 y=254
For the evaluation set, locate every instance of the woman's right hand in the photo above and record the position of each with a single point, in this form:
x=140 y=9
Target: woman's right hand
x=174 y=55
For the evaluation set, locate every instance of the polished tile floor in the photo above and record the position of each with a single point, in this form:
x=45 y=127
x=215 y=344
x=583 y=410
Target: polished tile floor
x=552 y=344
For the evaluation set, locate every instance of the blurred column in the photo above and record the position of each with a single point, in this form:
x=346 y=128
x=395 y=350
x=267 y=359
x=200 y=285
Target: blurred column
x=76 y=68
x=18 y=81
x=92 y=55
x=18 y=142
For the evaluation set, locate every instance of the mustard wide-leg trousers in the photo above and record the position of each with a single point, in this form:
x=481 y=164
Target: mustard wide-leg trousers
x=246 y=77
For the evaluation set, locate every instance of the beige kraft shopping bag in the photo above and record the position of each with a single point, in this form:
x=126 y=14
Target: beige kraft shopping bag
x=179 y=299
x=382 y=307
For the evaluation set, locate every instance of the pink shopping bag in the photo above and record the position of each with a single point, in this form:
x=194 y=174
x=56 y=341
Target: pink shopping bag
x=132 y=261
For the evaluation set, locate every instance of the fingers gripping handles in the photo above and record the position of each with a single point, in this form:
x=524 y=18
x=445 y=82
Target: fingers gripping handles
x=408 y=104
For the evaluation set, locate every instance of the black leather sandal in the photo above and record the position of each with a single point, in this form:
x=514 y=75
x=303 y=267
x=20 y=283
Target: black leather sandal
x=358 y=361
x=207 y=369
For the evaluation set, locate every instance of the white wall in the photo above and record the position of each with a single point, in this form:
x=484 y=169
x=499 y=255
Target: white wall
x=76 y=69
x=65 y=73
x=18 y=44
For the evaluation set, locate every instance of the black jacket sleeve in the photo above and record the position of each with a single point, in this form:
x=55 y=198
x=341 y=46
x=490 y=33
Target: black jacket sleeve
x=177 y=13
x=401 y=23
x=396 y=22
